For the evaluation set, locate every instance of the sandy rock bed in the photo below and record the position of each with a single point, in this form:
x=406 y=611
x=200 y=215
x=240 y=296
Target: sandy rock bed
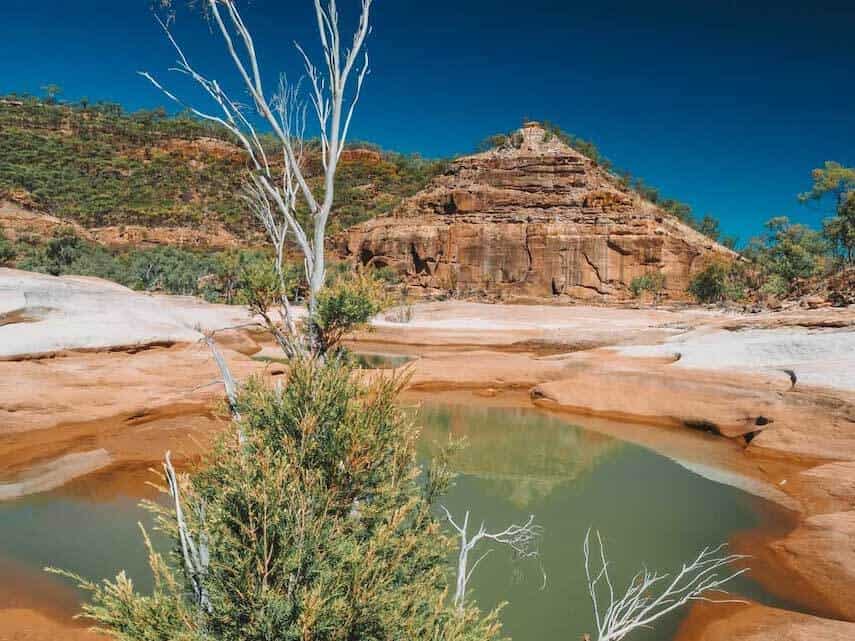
x=94 y=375
x=41 y=315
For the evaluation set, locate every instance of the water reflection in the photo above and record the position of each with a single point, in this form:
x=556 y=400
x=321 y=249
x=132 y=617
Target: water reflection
x=516 y=453
x=90 y=527
x=651 y=511
x=518 y=462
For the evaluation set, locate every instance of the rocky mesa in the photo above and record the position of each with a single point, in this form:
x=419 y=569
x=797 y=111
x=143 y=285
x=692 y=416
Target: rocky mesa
x=531 y=218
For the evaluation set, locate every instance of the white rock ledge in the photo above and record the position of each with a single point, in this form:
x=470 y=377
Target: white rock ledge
x=41 y=315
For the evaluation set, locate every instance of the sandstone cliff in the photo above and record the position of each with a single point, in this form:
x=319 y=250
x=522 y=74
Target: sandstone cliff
x=534 y=218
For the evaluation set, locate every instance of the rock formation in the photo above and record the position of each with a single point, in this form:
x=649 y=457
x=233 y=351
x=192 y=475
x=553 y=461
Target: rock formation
x=531 y=218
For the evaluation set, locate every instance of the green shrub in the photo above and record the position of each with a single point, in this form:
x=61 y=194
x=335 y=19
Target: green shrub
x=217 y=276
x=66 y=253
x=232 y=273
x=387 y=275
x=345 y=305
x=318 y=525
x=775 y=285
x=584 y=147
x=718 y=282
x=496 y=140
x=259 y=286
x=337 y=270
x=7 y=249
x=63 y=249
x=168 y=269
x=653 y=282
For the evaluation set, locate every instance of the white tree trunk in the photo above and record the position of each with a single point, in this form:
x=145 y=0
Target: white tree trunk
x=333 y=97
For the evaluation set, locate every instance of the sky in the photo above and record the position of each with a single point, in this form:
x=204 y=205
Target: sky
x=724 y=105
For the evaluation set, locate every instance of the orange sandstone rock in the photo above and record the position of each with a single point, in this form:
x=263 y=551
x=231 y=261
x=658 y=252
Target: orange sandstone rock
x=537 y=219
x=761 y=623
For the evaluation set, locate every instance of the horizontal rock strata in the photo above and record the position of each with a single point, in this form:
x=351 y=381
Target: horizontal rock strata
x=536 y=219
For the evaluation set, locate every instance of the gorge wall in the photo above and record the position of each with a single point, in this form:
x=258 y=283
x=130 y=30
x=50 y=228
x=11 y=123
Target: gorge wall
x=532 y=218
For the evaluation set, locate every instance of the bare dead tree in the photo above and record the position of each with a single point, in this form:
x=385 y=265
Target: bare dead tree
x=522 y=539
x=650 y=595
x=276 y=227
x=335 y=89
x=194 y=552
x=229 y=382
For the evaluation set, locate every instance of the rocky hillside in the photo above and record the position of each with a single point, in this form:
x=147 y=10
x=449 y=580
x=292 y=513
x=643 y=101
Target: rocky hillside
x=106 y=170
x=836 y=289
x=532 y=217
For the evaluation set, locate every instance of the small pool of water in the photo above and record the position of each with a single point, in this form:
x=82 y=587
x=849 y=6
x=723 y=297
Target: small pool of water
x=379 y=360
x=649 y=509
x=361 y=359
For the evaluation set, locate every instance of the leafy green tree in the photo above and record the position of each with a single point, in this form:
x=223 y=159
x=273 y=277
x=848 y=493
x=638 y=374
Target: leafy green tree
x=838 y=181
x=717 y=283
x=840 y=229
x=52 y=93
x=788 y=251
x=832 y=178
x=709 y=226
x=309 y=520
x=62 y=250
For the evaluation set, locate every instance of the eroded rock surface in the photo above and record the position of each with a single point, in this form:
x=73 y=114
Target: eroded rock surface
x=41 y=315
x=760 y=623
x=18 y=221
x=93 y=398
x=533 y=219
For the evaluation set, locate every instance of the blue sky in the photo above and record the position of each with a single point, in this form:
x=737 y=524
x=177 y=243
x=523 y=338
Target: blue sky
x=726 y=105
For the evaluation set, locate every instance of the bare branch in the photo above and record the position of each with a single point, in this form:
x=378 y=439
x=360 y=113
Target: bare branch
x=228 y=380
x=195 y=554
x=647 y=598
x=522 y=539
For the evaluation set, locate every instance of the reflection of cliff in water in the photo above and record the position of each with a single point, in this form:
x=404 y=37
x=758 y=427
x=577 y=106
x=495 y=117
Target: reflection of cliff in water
x=523 y=454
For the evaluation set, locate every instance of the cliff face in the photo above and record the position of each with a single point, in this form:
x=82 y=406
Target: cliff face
x=535 y=218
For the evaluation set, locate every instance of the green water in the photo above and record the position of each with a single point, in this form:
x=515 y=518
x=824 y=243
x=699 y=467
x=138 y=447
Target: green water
x=361 y=360
x=649 y=509
x=378 y=360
